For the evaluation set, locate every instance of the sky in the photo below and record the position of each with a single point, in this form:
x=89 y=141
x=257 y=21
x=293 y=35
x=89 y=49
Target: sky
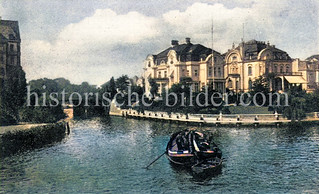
x=90 y=40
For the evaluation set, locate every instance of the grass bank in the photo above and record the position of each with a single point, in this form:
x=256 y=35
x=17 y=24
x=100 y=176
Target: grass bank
x=23 y=138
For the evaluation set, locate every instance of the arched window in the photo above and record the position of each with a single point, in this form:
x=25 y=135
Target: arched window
x=149 y=64
x=287 y=68
x=250 y=71
x=275 y=68
x=281 y=68
x=230 y=83
x=250 y=84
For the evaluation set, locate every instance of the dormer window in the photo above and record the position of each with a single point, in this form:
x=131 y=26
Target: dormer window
x=234 y=58
x=149 y=64
x=11 y=37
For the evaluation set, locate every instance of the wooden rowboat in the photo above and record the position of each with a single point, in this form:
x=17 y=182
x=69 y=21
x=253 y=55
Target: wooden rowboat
x=187 y=148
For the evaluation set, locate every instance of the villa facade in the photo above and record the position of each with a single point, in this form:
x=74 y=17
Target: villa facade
x=236 y=69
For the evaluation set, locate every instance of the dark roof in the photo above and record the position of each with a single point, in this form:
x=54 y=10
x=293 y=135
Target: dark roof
x=253 y=47
x=313 y=56
x=9 y=30
x=185 y=52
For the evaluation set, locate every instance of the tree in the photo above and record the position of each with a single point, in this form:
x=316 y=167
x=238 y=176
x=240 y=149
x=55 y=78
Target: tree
x=13 y=93
x=260 y=85
x=154 y=87
x=122 y=83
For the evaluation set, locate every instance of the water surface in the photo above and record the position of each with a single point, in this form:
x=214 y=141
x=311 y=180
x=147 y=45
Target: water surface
x=108 y=155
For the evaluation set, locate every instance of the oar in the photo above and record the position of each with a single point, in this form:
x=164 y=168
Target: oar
x=155 y=160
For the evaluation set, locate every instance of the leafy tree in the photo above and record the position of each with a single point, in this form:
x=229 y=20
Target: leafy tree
x=154 y=87
x=260 y=85
x=122 y=83
x=13 y=93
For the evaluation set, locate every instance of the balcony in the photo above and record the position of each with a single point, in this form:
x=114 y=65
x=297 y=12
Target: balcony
x=287 y=73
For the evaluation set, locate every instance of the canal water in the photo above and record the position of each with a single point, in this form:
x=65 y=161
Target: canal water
x=108 y=155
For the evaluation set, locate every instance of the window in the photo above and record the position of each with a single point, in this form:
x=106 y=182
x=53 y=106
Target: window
x=275 y=68
x=165 y=73
x=250 y=84
x=219 y=72
x=230 y=83
x=250 y=71
x=209 y=71
x=215 y=59
x=195 y=72
x=196 y=87
x=234 y=58
x=281 y=69
x=11 y=47
x=12 y=60
x=149 y=64
x=214 y=71
x=11 y=37
x=187 y=74
x=287 y=68
x=1 y=59
x=159 y=74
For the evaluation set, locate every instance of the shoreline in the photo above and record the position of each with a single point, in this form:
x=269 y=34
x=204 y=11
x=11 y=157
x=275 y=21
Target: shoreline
x=212 y=119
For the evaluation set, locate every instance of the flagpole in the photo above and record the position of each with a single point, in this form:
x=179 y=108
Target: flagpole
x=213 y=68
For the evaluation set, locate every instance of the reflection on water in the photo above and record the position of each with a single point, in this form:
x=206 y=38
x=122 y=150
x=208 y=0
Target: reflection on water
x=107 y=155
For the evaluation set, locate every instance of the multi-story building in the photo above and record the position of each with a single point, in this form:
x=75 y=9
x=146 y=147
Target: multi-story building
x=189 y=62
x=9 y=46
x=235 y=70
x=309 y=69
x=249 y=60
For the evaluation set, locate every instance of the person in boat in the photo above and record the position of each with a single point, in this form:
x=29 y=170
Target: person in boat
x=201 y=141
x=182 y=141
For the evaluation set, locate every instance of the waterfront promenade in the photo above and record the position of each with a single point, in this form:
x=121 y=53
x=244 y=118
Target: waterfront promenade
x=209 y=119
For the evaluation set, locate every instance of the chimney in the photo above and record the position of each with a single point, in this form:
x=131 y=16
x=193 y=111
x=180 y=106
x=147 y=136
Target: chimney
x=188 y=40
x=174 y=42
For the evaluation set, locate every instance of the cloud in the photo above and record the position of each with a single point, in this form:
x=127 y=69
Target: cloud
x=290 y=25
x=106 y=43
x=86 y=50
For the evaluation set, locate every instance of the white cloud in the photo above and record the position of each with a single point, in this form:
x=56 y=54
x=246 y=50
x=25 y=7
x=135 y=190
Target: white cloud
x=84 y=50
x=276 y=21
x=108 y=44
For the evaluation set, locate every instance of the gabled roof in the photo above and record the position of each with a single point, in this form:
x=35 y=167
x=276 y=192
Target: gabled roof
x=186 y=52
x=9 y=30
